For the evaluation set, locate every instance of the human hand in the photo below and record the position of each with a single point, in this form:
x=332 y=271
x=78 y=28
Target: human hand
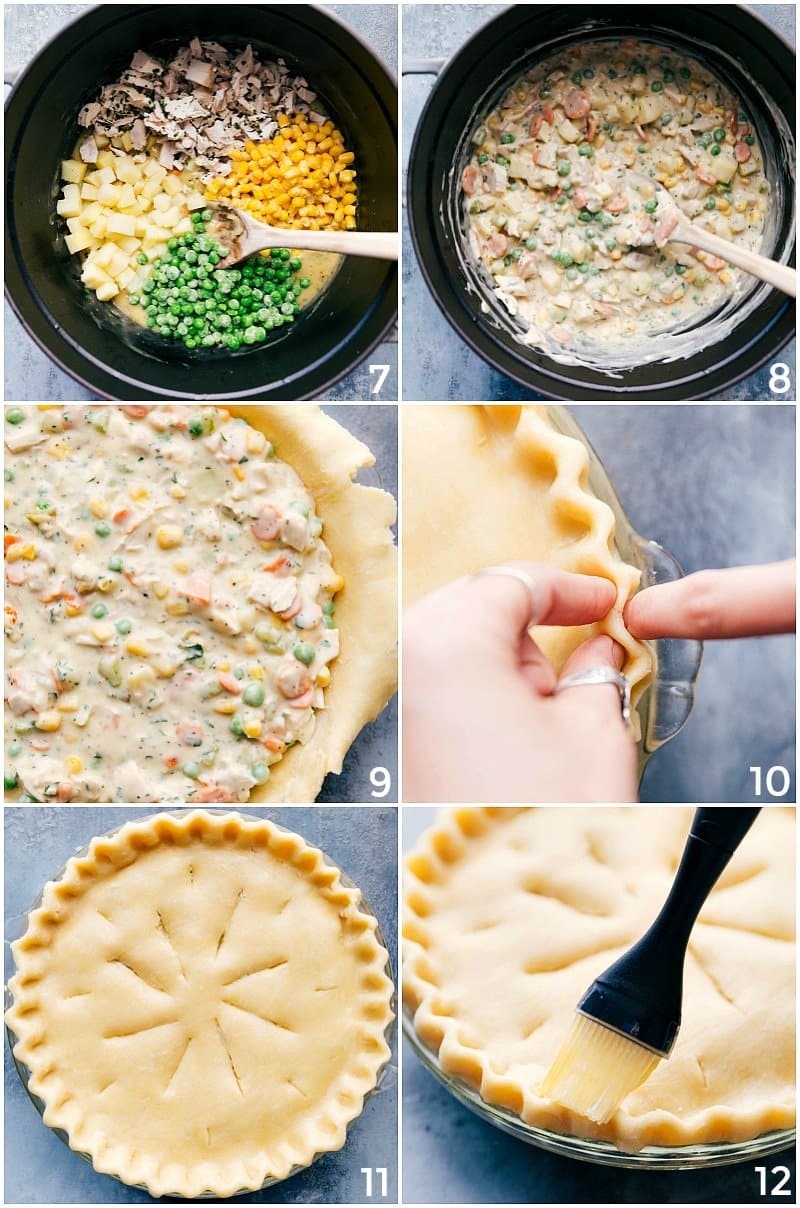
x=743 y=601
x=480 y=721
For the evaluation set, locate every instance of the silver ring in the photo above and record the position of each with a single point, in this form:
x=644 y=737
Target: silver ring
x=522 y=576
x=602 y=675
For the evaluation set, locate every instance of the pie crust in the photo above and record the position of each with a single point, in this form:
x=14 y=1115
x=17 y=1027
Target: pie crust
x=358 y=522
x=490 y=484
x=202 y=1003
x=510 y=914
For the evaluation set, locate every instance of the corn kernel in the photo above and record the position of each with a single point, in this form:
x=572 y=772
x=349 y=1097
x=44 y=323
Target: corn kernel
x=177 y=608
x=138 y=494
x=138 y=647
x=251 y=646
x=753 y=215
x=740 y=206
x=725 y=277
x=47 y=406
x=103 y=632
x=169 y=536
x=224 y=666
x=256 y=441
x=336 y=584
x=74 y=765
x=81 y=541
x=142 y=677
x=29 y=552
x=255 y=671
x=161 y=590
x=181 y=566
x=238 y=472
x=165 y=669
x=49 y=720
x=72 y=610
x=99 y=508
x=323 y=677
x=225 y=706
x=14 y=553
x=58 y=449
x=177 y=491
x=252 y=729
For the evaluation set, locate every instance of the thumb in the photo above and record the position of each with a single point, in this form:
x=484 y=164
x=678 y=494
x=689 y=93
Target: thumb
x=601 y=701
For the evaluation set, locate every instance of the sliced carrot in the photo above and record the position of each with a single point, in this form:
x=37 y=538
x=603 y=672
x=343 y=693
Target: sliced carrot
x=136 y=412
x=229 y=683
x=197 y=588
x=122 y=516
x=277 y=564
x=276 y=745
x=302 y=702
x=64 y=791
x=11 y=615
x=10 y=539
x=213 y=794
x=170 y=761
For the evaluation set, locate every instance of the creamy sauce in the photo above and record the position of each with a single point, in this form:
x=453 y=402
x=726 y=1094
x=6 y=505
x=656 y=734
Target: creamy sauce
x=560 y=204
x=169 y=605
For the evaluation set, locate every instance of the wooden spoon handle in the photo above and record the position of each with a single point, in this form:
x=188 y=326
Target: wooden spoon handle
x=781 y=276
x=380 y=245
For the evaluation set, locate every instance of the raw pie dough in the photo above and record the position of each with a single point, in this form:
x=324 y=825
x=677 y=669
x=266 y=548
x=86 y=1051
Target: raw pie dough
x=490 y=484
x=510 y=915
x=201 y=1003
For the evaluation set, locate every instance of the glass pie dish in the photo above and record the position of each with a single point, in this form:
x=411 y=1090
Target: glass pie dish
x=18 y=924
x=603 y=1153
x=666 y=705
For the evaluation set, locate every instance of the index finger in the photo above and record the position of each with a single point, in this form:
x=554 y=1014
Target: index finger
x=742 y=601
x=562 y=598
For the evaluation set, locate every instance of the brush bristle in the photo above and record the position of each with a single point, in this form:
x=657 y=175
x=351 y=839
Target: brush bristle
x=595 y=1069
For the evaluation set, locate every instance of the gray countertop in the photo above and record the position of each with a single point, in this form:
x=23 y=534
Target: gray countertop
x=437 y=364
x=715 y=486
x=450 y=1156
x=30 y=375
x=39 y=1169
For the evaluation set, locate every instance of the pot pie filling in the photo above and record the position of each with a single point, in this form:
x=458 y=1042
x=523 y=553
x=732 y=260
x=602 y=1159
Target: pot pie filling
x=538 y=902
x=202 y=1004
x=169 y=607
x=560 y=202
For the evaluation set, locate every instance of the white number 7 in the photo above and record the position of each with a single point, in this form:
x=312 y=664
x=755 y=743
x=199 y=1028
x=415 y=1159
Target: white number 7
x=382 y=372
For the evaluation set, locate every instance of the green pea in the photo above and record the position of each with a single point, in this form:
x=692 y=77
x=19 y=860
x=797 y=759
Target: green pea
x=254 y=694
x=714 y=150
x=564 y=168
x=588 y=74
x=260 y=772
x=133 y=299
x=123 y=626
x=531 y=243
x=501 y=159
x=142 y=258
x=585 y=149
x=666 y=118
x=207 y=215
x=576 y=77
x=656 y=86
x=711 y=203
x=10 y=780
x=236 y=726
x=749 y=139
x=507 y=138
x=680 y=269
x=719 y=135
x=651 y=206
x=99 y=611
x=685 y=73
x=15 y=416
x=304 y=652
x=115 y=564
x=13 y=749
x=8 y=475
x=102 y=529
x=669 y=76
x=191 y=769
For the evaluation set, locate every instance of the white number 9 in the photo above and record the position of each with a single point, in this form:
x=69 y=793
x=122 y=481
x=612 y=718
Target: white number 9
x=381 y=782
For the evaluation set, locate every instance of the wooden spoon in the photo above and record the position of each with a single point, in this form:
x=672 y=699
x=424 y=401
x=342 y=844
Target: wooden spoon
x=244 y=236
x=674 y=227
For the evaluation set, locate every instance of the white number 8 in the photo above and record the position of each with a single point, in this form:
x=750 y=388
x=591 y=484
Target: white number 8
x=779 y=380
x=381 y=782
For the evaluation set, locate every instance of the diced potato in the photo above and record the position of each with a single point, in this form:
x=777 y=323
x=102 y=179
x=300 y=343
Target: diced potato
x=90 y=213
x=106 y=176
x=102 y=140
x=93 y=178
x=154 y=170
x=73 y=171
x=628 y=107
x=195 y=201
x=74 y=223
x=569 y=133
x=70 y=204
x=151 y=188
x=78 y=241
x=125 y=278
x=140 y=228
x=172 y=186
x=88 y=192
x=156 y=251
x=650 y=108
x=117 y=264
x=126 y=170
x=127 y=198
x=108 y=195
x=107 y=291
x=126 y=141
x=723 y=166
x=102 y=257
x=93 y=275
x=161 y=201
x=183 y=227
x=129 y=244
x=98 y=227
x=107 y=159
x=171 y=217
x=121 y=224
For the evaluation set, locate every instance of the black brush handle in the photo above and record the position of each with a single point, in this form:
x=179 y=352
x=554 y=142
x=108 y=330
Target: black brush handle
x=641 y=994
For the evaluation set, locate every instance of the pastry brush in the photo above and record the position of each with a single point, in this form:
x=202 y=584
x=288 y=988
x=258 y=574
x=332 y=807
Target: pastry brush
x=629 y=1018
